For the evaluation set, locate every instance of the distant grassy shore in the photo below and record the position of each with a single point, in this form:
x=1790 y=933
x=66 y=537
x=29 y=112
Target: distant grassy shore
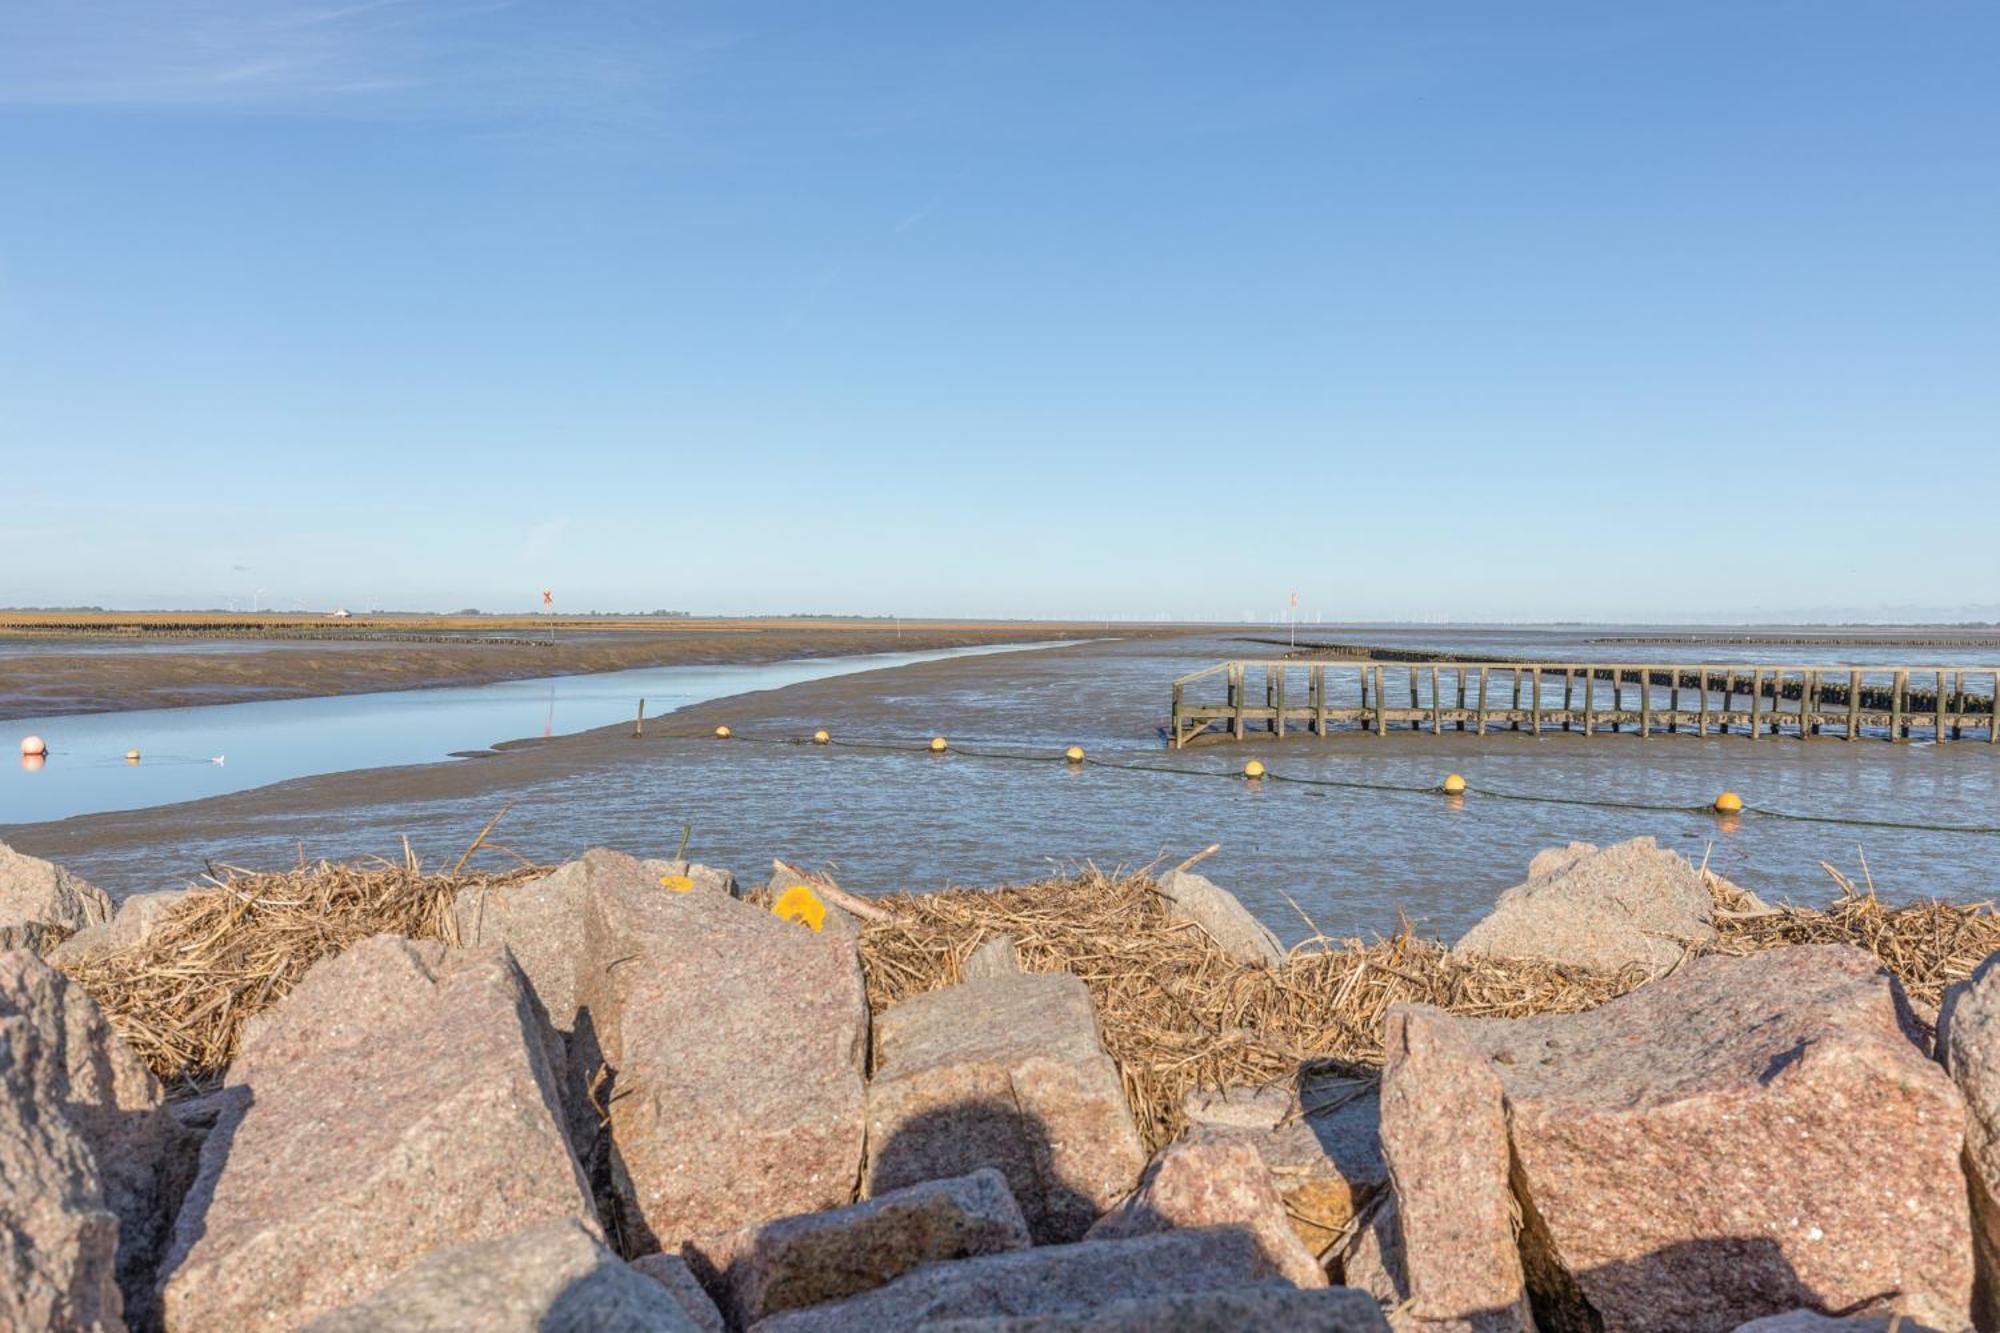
x=411 y=652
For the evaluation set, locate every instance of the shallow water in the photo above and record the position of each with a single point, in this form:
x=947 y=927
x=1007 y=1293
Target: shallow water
x=1347 y=858
x=189 y=754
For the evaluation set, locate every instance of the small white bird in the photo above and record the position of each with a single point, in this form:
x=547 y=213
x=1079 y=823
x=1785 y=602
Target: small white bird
x=219 y=759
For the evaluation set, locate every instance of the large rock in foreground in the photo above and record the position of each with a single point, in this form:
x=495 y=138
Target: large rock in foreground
x=1628 y=905
x=399 y=1101
x=58 y=1239
x=1214 y=1184
x=554 y=1277
x=84 y=1073
x=1006 y=1072
x=1969 y=1046
x=736 y=1043
x=1218 y=914
x=819 y=1257
x=36 y=895
x=1809 y=1152
x=1051 y=1279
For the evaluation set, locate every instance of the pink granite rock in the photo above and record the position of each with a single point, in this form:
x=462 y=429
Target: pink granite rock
x=1261 y=1305
x=1809 y=1151
x=1321 y=1144
x=553 y=1277
x=1050 y=1279
x=1632 y=904
x=1006 y=1072
x=1214 y=1184
x=736 y=1042
x=1444 y=1135
x=87 y=1075
x=40 y=902
x=58 y=1238
x=1969 y=1046
x=399 y=1101
x=818 y=1257
x=672 y=1272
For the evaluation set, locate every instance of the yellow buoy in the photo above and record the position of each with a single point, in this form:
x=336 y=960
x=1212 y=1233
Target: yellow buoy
x=131 y=756
x=677 y=883
x=1074 y=754
x=820 y=737
x=1453 y=785
x=1729 y=803
x=802 y=905
x=722 y=733
x=939 y=745
x=1253 y=770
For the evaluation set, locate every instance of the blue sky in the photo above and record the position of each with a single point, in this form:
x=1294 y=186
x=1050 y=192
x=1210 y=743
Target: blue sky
x=1457 y=309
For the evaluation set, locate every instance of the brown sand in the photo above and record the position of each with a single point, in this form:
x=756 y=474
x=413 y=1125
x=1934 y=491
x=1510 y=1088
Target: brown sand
x=57 y=682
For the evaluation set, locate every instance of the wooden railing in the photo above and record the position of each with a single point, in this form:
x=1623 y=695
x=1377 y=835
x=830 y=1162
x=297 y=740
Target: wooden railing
x=1936 y=703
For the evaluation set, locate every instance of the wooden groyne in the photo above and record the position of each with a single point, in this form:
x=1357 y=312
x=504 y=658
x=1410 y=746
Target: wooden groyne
x=1890 y=703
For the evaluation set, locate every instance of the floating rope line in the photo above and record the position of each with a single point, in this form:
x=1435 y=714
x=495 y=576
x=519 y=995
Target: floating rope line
x=1347 y=784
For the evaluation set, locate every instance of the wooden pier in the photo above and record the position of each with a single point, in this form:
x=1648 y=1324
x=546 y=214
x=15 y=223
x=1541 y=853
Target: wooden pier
x=1375 y=696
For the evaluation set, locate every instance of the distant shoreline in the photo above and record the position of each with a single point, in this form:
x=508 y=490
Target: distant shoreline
x=66 y=683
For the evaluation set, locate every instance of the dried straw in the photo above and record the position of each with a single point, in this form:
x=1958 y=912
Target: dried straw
x=231 y=949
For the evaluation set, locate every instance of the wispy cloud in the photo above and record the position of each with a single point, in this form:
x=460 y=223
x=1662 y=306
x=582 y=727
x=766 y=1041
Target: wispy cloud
x=487 y=54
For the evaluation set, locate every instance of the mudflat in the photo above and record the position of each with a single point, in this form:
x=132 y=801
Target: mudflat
x=106 y=664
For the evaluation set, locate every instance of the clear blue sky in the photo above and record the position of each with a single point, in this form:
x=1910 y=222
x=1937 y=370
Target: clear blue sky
x=1499 y=311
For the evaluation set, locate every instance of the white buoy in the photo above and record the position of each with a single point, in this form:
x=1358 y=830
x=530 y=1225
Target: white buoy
x=34 y=745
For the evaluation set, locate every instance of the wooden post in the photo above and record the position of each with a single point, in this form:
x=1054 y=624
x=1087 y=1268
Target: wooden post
x=1854 y=705
x=1756 y=695
x=1483 y=673
x=1381 y=719
x=1569 y=684
x=639 y=722
x=1958 y=706
x=1535 y=682
x=1897 y=689
x=1415 y=704
x=1645 y=702
x=1238 y=687
x=1701 y=716
x=1728 y=698
x=1276 y=689
x=1437 y=706
x=1319 y=698
x=1459 y=671
x=1674 y=703
x=1589 y=693
x=1179 y=690
x=1940 y=705
x=1809 y=705
x=1617 y=696
x=1517 y=698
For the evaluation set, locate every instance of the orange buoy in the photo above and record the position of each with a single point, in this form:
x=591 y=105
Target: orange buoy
x=722 y=733
x=1453 y=785
x=820 y=737
x=802 y=905
x=939 y=745
x=34 y=745
x=1253 y=770
x=1729 y=803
